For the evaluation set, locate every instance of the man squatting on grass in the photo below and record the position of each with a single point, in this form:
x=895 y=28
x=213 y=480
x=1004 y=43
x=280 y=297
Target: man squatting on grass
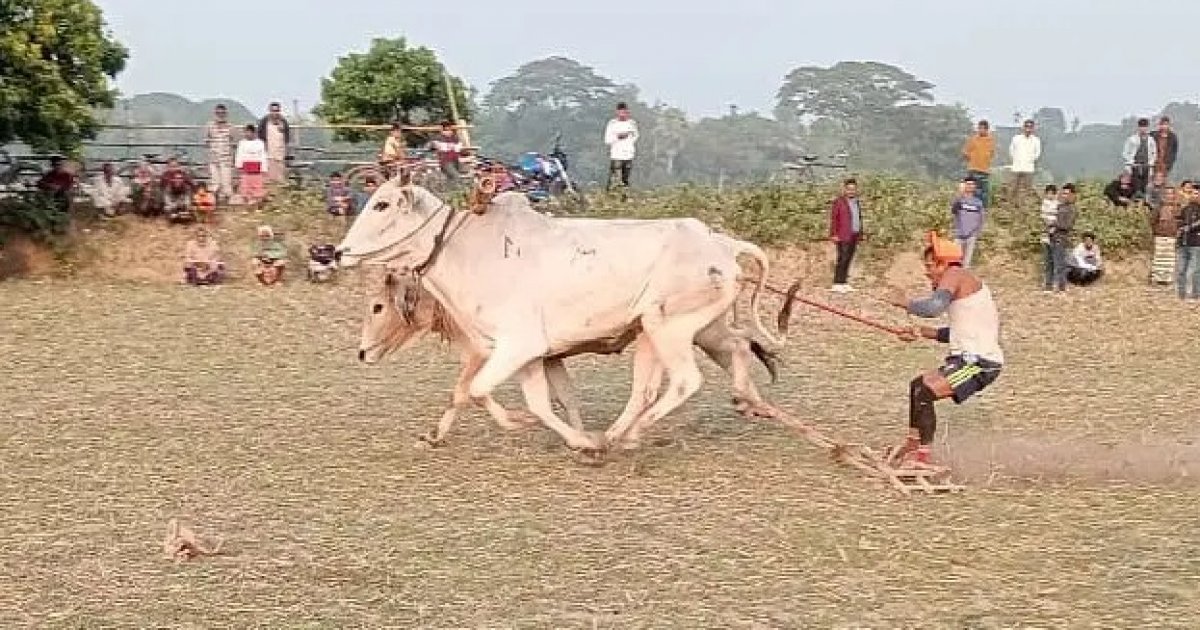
x=975 y=358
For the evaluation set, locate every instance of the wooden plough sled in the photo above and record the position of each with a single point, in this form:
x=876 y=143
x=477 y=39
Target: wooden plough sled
x=884 y=465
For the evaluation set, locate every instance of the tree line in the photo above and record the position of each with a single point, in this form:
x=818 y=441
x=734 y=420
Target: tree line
x=59 y=62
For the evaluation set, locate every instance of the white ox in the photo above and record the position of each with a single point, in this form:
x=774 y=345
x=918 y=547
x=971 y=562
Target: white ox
x=523 y=286
x=400 y=312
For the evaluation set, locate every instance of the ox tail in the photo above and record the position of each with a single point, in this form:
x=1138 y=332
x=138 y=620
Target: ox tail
x=764 y=267
x=768 y=359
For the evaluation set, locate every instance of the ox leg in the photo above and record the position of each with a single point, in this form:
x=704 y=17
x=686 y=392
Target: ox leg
x=732 y=352
x=564 y=391
x=459 y=401
x=673 y=345
x=647 y=377
x=536 y=389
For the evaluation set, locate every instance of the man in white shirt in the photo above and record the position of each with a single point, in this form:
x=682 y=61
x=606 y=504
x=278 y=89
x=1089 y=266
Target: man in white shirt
x=110 y=193
x=621 y=136
x=1140 y=153
x=1023 y=153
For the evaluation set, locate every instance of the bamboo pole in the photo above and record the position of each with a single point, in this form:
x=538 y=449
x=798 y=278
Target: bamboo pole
x=460 y=126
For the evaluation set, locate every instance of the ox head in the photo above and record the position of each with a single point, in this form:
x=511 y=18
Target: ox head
x=395 y=225
x=398 y=314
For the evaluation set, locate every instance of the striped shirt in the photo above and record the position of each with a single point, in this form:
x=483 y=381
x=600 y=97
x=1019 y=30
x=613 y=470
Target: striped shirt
x=218 y=139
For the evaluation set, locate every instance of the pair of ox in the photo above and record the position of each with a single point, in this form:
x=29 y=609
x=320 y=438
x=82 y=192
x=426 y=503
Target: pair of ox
x=521 y=291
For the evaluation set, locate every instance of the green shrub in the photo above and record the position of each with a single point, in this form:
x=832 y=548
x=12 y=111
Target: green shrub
x=896 y=212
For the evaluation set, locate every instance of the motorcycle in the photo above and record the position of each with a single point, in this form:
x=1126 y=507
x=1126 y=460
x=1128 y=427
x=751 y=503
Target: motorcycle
x=544 y=177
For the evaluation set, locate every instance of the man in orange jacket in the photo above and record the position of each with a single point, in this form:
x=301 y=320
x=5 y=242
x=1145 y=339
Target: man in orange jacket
x=978 y=151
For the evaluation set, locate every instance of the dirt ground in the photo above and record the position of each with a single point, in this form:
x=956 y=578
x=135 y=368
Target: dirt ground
x=244 y=412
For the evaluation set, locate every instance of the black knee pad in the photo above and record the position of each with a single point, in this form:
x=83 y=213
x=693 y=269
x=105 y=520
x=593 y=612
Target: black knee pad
x=919 y=392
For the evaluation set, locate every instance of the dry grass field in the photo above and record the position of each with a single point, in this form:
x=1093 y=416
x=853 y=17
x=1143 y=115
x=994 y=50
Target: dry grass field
x=244 y=412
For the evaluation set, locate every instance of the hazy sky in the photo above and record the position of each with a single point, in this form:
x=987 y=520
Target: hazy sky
x=1098 y=59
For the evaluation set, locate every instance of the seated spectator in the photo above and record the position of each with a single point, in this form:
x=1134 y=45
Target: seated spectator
x=270 y=257
x=339 y=199
x=1086 y=265
x=1156 y=190
x=1120 y=191
x=250 y=159
x=361 y=199
x=177 y=189
x=202 y=260
x=110 y=193
x=144 y=189
x=322 y=261
x=204 y=201
x=57 y=183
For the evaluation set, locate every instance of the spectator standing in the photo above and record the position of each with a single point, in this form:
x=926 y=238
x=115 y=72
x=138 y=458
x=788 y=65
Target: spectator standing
x=845 y=231
x=251 y=162
x=449 y=153
x=621 y=136
x=1167 y=144
x=339 y=199
x=1086 y=264
x=1024 y=151
x=110 y=193
x=1187 y=264
x=361 y=198
x=1060 y=240
x=1121 y=191
x=979 y=150
x=276 y=134
x=1049 y=210
x=967 y=210
x=393 y=154
x=218 y=138
x=1140 y=153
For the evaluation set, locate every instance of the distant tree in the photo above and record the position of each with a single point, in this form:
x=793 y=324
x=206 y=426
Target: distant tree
x=56 y=62
x=667 y=140
x=553 y=83
x=525 y=110
x=740 y=147
x=849 y=91
x=1050 y=121
x=390 y=82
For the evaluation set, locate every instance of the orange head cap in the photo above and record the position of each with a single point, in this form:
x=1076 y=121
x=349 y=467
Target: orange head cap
x=945 y=252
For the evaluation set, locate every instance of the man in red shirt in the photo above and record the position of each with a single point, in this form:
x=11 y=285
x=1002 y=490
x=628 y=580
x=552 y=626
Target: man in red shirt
x=845 y=231
x=449 y=150
x=57 y=184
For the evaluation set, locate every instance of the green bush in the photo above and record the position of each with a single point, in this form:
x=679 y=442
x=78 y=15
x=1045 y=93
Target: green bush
x=896 y=213
x=34 y=215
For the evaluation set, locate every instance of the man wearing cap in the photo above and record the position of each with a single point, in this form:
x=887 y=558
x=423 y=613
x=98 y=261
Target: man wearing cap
x=973 y=334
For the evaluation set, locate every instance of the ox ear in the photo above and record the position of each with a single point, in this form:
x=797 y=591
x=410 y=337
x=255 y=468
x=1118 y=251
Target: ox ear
x=408 y=199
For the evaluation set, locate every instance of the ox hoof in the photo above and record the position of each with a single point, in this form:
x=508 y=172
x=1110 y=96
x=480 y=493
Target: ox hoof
x=760 y=410
x=431 y=440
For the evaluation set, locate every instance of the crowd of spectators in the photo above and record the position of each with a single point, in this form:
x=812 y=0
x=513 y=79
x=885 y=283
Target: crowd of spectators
x=1144 y=183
